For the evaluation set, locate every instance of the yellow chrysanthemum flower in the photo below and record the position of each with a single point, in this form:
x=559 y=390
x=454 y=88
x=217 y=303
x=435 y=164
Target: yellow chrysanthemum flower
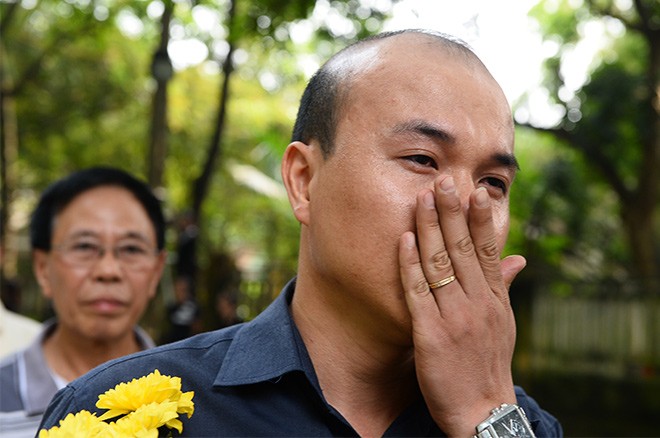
x=153 y=388
x=81 y=424
x=146 y=420
x=185 y=403
x=147 y=403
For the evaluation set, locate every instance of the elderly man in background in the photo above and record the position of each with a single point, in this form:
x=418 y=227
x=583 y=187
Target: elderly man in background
x=97 y=238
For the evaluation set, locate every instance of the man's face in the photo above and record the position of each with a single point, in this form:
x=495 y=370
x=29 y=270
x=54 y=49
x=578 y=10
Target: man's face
x=101 y=300
x=413 y=115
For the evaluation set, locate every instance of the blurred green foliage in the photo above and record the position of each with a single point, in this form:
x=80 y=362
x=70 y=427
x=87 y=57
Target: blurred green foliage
x=76 y=80
x=612 y=123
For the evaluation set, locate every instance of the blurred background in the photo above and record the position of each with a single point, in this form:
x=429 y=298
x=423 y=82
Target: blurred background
x=199 y=97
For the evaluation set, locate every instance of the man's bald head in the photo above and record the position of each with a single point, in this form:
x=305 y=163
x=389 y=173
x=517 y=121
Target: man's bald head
x=323 y=97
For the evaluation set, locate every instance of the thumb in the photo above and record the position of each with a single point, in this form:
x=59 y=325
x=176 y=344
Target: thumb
x=511 y=267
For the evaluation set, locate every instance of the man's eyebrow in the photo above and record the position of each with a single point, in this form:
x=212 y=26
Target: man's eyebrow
x=426 y=129
x=435 y=132
x=127 y=235
x=507 y=160
x=82 y=233
x=134 y=235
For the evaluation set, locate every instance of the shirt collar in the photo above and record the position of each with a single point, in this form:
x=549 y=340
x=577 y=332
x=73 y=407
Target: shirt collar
x=270 y=346
x=266 y=348
x=37 y=380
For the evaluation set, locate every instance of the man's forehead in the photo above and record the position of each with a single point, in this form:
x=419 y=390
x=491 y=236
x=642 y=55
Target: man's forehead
x=73 y=212
x=412 y=60
x=354 y=59
x=364 y=56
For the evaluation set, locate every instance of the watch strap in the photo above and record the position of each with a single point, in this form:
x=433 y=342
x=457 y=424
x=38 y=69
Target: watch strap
x=505 y=421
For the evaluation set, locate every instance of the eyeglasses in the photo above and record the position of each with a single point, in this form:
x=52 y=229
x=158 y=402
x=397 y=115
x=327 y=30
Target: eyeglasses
x=133 y=255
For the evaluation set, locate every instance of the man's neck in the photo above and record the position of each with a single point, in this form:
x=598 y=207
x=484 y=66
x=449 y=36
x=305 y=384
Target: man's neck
x=369 y=380
x=71 y=356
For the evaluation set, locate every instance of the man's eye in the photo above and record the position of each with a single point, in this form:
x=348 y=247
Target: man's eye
x=423 y=160
x=497 y=183
x=132 y=250
x=83 y=247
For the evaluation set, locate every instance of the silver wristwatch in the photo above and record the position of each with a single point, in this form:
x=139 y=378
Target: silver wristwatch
x=507 y=421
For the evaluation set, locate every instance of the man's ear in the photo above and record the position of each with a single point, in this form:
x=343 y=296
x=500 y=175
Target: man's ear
x=157 y=274
x=40 y=268
x=297 y=173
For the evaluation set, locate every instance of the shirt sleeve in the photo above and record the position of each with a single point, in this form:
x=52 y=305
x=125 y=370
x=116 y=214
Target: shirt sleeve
x=543 y=423
x=60 y=406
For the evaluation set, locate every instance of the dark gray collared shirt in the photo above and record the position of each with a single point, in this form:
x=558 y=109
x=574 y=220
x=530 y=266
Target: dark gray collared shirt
x=252 y=379
x=27 y=385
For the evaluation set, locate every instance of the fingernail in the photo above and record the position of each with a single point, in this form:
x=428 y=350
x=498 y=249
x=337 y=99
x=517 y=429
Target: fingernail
x=409 y=240
x=428 y=200
x=482 y=197
x=447 y=185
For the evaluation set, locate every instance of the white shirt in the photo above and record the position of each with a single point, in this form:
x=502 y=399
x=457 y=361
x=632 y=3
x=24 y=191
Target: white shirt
x=16 y=331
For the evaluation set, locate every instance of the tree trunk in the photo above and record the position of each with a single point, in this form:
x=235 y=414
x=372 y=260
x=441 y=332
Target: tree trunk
x=644 y=233
x=4 y=188
x=202 y=183
x=639 y=227
x=8 y=156
x=161 y=68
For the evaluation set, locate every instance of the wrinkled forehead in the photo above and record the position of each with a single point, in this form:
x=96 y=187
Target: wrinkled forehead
x=100 y=204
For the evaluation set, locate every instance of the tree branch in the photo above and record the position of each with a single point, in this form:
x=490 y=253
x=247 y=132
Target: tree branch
x=201 y=184
x=6 y=19
x=609 y=12
x=644 y=15
x=594 y=158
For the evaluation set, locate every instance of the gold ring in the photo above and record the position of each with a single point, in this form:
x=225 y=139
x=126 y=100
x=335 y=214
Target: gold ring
x=443 y=282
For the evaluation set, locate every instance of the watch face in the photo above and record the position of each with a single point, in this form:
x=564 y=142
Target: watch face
x=512 y=425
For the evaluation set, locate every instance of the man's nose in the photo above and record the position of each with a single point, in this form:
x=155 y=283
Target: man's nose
x=108 y=264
